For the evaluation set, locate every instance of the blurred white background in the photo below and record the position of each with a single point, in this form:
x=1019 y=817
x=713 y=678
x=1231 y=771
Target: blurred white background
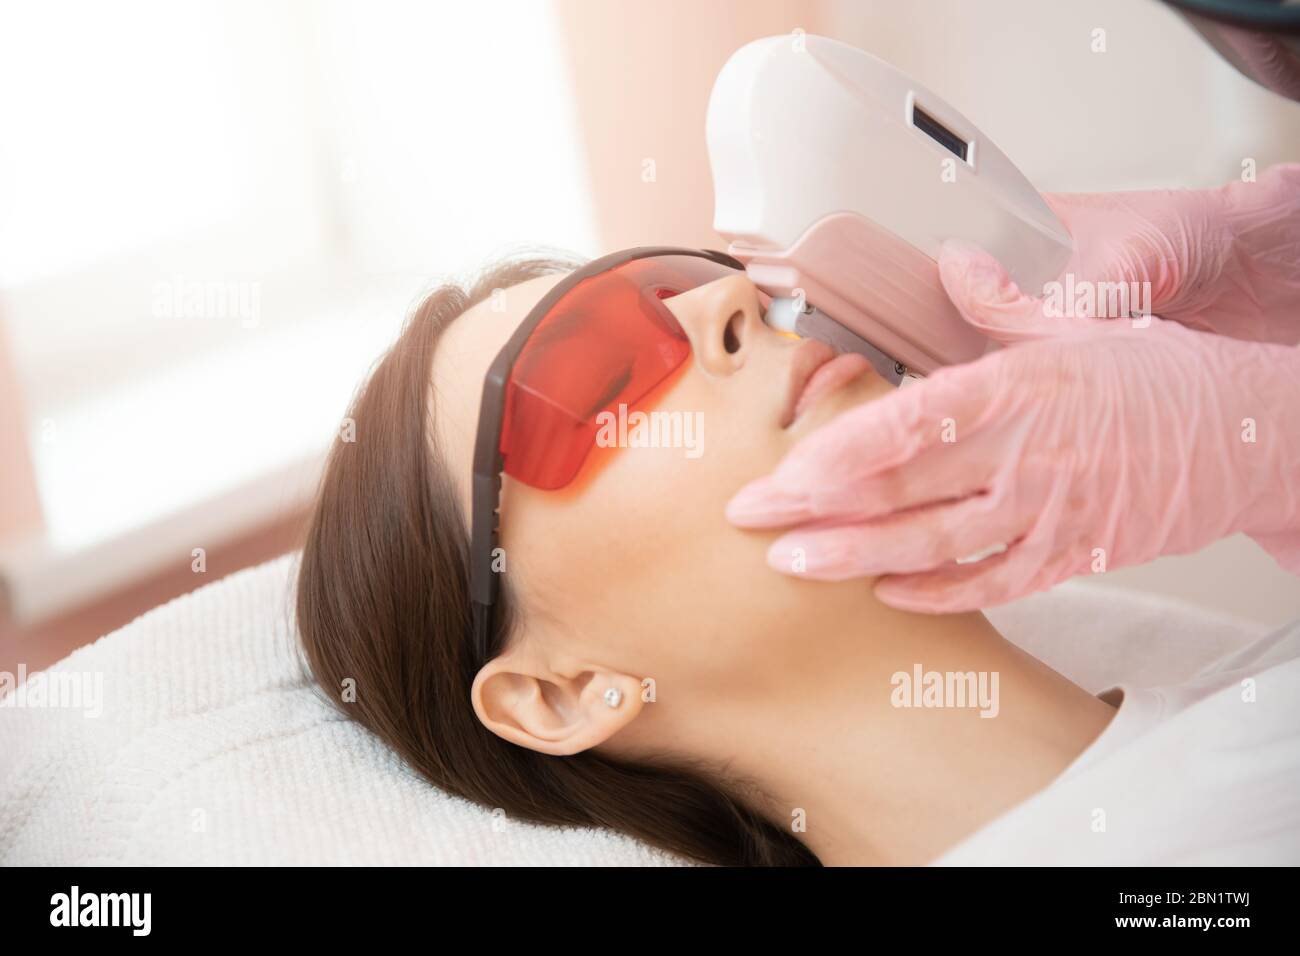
x=214 y=216
x=210 y=211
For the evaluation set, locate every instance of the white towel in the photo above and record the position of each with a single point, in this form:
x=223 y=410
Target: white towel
x=214 y=747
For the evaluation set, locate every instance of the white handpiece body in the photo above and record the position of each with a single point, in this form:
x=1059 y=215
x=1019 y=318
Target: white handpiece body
x=837 y=178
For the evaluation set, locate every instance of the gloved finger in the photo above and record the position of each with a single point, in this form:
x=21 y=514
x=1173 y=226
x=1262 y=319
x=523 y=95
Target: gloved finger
x=1033 y=562
x=956 y=588
x=1119 y=239
x=822 y=476
x=914 y=541
x=945 y=472
x=987 y=298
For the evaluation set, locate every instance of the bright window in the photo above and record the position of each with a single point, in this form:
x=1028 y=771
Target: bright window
x=213 y=217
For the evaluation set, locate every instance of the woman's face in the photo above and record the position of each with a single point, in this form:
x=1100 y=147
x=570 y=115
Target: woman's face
x=632 y=573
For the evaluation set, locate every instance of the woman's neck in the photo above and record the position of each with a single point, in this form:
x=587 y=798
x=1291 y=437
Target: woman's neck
x=891 y=749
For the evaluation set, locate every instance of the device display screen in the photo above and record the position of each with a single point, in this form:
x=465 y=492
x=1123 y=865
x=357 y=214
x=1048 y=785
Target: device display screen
x=941 y=134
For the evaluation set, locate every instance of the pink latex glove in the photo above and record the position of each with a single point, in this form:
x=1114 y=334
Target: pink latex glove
x=1225 y=260
x=1096 y=446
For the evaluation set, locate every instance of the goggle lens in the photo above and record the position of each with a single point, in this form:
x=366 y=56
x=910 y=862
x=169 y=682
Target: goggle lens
x=609 y=341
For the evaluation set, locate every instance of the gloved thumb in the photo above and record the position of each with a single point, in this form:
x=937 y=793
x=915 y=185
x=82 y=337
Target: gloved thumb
x=987 y=298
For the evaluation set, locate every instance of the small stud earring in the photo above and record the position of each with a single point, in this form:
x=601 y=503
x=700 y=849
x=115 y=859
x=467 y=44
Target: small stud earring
x=613 y=697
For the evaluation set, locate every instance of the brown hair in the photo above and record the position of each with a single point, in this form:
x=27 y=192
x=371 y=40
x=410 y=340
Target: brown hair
x=382 y=601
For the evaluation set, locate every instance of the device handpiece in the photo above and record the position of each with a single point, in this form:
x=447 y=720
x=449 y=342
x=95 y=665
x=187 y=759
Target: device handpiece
x=837 y=178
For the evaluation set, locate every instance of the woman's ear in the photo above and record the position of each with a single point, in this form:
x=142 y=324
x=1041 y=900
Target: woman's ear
x=527 y=703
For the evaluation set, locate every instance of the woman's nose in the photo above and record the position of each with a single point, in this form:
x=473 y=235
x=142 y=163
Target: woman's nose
x=722 y=319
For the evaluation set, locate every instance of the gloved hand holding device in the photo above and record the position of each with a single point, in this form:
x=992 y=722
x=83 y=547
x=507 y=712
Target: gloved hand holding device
x=1087 y=445
x=1224 y=260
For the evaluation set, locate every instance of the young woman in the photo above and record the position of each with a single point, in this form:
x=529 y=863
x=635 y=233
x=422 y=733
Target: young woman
x=640 y=667
x=648 y=672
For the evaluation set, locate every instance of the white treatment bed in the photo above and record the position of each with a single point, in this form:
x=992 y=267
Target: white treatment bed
x=214 y=747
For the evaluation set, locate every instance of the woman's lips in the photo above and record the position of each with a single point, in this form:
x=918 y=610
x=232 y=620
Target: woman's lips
x=816 y=370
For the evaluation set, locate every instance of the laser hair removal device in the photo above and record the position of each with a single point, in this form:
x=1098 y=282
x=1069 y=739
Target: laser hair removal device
x=837 y=178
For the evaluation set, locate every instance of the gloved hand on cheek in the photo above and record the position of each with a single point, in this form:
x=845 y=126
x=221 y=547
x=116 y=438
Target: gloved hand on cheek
x=1090 y=445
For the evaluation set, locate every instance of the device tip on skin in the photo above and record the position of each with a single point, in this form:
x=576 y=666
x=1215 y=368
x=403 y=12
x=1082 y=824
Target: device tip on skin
x=794 y=316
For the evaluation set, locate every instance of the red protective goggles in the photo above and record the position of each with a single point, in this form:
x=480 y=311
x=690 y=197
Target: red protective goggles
x=600 y=339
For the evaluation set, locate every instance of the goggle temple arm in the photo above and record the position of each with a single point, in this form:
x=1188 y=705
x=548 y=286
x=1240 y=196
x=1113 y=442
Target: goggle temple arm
x=485 y=497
